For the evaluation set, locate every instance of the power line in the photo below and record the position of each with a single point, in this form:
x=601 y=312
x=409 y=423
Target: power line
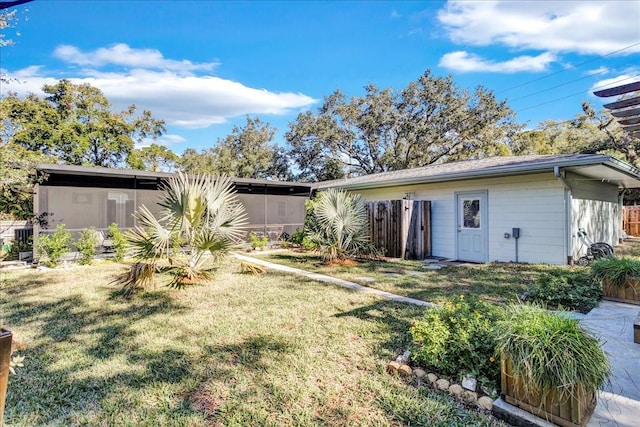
x=557 y=86
x=573 y=67
x=574 y=94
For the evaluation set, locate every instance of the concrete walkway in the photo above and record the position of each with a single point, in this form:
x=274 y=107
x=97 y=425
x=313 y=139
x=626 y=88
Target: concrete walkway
x=612 y=322
x=619 y=403
x=334 y=281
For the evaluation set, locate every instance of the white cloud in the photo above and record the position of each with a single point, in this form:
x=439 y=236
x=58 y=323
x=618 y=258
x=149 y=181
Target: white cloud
x=582 y=26
x=186 y=100
x=123 y=55
x=168 y=140
x=468 y=62
x=600 y=70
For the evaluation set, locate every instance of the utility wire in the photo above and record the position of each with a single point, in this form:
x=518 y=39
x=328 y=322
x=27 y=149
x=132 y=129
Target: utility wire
x=572 y=95
x=557 y=86
x=573 y=67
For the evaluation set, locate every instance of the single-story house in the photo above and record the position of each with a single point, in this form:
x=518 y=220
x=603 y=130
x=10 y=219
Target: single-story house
x=82 y=197
x=478 y=207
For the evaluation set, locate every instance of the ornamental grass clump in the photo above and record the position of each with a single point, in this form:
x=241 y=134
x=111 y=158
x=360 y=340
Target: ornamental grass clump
x=616 y=271
x=551 y=352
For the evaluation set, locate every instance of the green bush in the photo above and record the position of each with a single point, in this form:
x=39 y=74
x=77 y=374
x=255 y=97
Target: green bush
x=86 y=245
x=615 y=270
x=119 y=241
x=458 y=339
x=298 y=237
x=55 y=245
x=551 y=352
x=258 y=242
x=576 y=291
x=308 y=244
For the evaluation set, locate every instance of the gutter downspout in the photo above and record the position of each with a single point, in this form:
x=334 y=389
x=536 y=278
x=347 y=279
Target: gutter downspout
x=567 y=216
x=622 y=231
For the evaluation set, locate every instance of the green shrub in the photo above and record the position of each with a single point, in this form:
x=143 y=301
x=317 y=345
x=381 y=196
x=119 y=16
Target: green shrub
x=86 y=245
x=55 y=245
x=119 y=241
x=615 y=270
x=308 y=244
x=258 y=242
x=458 y=339
x=550 y=351
x=298 y=237
x=576 y=291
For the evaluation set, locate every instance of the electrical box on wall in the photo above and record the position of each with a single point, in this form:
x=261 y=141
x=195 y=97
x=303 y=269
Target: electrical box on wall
x=515 y=233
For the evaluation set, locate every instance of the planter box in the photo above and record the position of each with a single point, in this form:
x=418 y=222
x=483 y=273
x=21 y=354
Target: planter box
x=5 y=357
x=574 y=411
x=629 y=292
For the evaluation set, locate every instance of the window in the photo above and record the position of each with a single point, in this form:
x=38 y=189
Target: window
x=471 y=213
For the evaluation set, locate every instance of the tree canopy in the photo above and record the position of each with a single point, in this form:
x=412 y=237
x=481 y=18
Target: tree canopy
x=430 y=121
x=155 y=158
x=247 y=152
x=589 y=132
x=75 y=124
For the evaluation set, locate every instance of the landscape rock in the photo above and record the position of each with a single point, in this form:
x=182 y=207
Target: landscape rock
x=432 y=379
x=442 y=384
x=403 y=359
x=470 y=396
x=405 y=370
x=485 y=402
x=393 y=367
x=419 y=373
x=469 y=383
x=456 y=390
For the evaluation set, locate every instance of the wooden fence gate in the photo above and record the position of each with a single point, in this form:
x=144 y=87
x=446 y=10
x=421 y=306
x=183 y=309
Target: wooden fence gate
x=631 y=220
x=401 y=228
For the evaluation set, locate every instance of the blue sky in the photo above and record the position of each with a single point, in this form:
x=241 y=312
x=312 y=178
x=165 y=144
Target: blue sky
x=202 y=66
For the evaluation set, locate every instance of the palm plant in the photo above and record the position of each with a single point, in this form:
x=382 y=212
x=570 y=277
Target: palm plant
x=201 y=219
x=340 y=226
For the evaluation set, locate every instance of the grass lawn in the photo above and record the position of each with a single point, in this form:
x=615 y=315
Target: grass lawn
x=494 y=282
x=242 y=350
x=629 y=248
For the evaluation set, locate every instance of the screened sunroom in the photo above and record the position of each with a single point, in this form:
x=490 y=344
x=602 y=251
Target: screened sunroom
x=83 y=197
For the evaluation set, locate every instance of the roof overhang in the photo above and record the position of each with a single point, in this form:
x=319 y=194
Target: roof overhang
x=139 y=174
x=597 y=167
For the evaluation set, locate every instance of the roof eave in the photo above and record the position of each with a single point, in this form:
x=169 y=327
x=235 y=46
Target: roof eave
x=508 y=170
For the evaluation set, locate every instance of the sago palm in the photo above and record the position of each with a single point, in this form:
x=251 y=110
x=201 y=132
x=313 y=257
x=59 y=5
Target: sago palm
x=201 y=219
x=342 y=226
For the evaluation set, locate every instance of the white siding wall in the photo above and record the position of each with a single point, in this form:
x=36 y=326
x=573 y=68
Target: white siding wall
x=535 y=203
x=596 y=208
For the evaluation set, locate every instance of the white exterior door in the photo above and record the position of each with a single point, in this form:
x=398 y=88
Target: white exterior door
x=471 y=225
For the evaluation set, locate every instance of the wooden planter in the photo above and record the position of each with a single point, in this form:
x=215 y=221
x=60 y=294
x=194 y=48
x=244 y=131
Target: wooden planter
x=629 y=292
x=574 y=411
x=5 y=357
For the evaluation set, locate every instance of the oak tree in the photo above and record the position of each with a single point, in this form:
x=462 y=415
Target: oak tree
x=430 y=121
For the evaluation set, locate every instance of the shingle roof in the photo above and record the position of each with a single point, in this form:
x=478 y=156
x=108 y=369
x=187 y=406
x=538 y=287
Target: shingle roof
x=492 y=166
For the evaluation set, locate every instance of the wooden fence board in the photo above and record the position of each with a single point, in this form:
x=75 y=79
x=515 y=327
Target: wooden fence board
x=401 y=228
x=631 y=220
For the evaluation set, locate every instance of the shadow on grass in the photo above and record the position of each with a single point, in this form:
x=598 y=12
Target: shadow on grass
x=393 y=320
x=75 y=334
